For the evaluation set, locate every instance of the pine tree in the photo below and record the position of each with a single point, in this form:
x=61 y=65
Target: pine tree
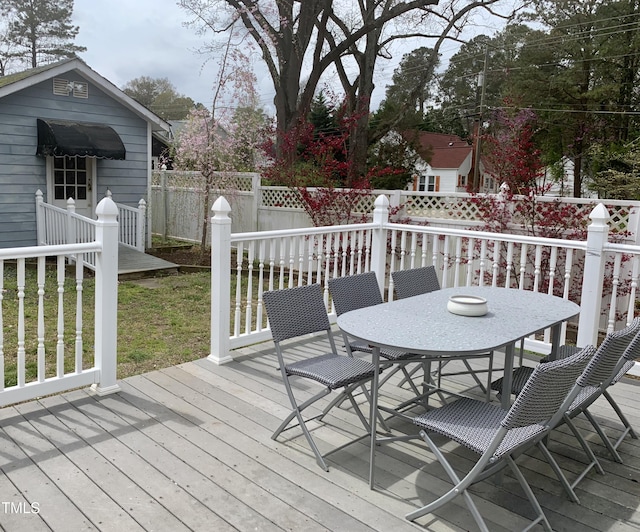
x=41 y=30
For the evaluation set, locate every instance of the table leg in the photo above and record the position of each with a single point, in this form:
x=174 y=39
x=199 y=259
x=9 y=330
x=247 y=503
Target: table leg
x=375 y=359
x=556 y=330
x=509 y=354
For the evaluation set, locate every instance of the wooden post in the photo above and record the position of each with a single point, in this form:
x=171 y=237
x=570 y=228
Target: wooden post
x=379 y=240
x=220 y=282
x=106 y=298
x=592 y=277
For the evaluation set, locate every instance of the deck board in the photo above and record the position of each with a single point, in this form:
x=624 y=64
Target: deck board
x=189 y=448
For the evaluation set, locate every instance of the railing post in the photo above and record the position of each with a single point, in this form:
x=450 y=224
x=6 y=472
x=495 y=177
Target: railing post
x=40 y=219
x=141 y=225
x=592 y=278
x=220 y=282
x=379 y=240
x=71 y=224
x=106 y=294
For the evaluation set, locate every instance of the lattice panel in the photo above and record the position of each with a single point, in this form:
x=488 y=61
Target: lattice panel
x=440 y=207
x=281 y=197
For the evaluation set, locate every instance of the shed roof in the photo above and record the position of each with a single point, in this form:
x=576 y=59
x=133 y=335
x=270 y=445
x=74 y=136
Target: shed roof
x=18 y=81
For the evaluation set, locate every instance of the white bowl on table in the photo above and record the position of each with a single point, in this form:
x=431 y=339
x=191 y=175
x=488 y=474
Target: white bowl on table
x=465 y=305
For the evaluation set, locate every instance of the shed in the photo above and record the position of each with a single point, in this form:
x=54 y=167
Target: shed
x=68 y=131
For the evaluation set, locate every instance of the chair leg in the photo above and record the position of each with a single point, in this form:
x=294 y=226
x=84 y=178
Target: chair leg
x=605 y=439
x=542 y=518
x=593 y=461
x=629 y=429
x=558 y=472
x=459 y=488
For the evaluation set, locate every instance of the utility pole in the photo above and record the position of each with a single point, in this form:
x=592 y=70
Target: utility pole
x=482 y=83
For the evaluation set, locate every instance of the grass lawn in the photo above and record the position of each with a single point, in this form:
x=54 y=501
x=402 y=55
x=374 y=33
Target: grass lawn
x=162 y=322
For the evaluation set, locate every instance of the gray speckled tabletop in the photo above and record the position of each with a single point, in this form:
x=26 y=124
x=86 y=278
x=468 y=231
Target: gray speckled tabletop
x=423 y=325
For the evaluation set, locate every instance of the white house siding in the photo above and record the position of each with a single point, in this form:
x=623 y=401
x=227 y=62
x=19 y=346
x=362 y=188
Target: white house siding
x=22 y=172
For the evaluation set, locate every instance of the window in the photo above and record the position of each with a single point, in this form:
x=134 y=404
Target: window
x=421 y=184
x=70 y=178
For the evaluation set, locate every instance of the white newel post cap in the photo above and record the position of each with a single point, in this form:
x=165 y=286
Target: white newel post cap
x=221 y=209
x=599 y=216
x=107 y=210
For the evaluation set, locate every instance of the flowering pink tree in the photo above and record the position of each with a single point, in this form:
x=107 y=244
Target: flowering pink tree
x=216 y=142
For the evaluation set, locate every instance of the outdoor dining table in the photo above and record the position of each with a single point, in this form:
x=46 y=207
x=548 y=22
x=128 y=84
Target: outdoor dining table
x=422 y=325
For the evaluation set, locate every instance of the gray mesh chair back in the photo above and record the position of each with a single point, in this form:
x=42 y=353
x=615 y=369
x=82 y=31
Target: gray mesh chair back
x=296 y=312
x=499 y=437
x=353 y=292
x=416 y=281
x=613 y=359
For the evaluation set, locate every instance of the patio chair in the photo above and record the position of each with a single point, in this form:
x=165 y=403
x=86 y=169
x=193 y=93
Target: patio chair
x=614 y=354
x=295 y=312
x=499 y=437
x=417 y=281
x=361 y=290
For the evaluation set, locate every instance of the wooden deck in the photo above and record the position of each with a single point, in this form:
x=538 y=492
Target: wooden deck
x=189 y=448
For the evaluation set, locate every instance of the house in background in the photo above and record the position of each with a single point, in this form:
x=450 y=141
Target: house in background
x=445 y=163
x=68 y=131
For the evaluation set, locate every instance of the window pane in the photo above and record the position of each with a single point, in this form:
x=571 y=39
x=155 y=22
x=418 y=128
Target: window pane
x=58 y=162
x=82 y=193
x=58 y=177
x=81 y=178
x=71 y=162
x=81 y=163
x=70 y=193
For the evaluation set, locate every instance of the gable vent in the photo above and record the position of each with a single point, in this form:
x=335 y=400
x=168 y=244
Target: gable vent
x=64 y=87
x=61 y=86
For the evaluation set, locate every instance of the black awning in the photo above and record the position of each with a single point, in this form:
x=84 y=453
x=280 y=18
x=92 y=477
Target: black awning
x=64 y=137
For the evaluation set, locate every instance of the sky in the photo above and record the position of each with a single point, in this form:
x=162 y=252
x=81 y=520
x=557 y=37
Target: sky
x=126 y=39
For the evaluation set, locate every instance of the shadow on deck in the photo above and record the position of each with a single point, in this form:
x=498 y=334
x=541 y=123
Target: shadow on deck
x=189 y=448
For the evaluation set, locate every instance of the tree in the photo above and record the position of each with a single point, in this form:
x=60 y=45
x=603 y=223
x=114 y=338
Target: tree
x=40 y=30
x=511 y=153
x=404 y=87
x=618 y=171
x=296 y=38
x=160 y=96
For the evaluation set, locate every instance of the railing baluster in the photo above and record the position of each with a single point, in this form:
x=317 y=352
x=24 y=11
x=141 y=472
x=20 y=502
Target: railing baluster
x=40 y=353
x=249 y=309
x=633 y=289
x=60 y=274
x=79 y=307
x=238 y=307
x=507 y=273
x=445 y=262
x=611 y=323
x=21 y=350
x=470 y=249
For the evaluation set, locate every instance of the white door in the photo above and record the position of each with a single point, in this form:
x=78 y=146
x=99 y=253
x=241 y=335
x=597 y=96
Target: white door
x=72 y=177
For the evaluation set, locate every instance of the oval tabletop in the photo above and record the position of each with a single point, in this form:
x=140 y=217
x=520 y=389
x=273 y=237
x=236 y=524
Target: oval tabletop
x=422 y=324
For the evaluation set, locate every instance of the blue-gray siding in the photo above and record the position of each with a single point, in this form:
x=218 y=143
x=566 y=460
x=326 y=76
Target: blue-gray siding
x=22 y=173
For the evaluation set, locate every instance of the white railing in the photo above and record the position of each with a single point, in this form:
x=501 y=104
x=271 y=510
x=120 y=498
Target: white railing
x=269 y=260
x=57 y=226
x=31 y=365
